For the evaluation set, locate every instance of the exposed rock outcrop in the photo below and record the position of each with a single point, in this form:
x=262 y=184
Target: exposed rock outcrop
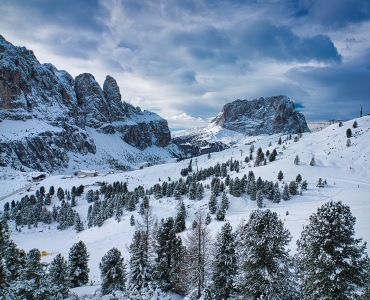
x=33 y=91
x=263 y=116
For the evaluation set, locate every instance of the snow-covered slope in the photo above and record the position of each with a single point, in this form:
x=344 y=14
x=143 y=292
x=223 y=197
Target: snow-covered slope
x=346 y=170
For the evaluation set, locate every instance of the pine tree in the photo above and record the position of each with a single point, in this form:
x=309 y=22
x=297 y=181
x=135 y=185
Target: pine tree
x=304 y=185
x=253 y=191
x=225 y=264
x=286 y=195
x=15 y=261
x=263 y=262
x=348 y=133
x=259 y=199
x=280 y=176
x=292 y=188
x=132 y=220
x=78 y=269
x=296 y=160
x=212 y=204
x=180 y=223
x=208 y=219
x=140 y=274
x=47 y=199
x=60 y=194
x=58 y=274
x=4 y=237
x=79 y=225
x=277 y=196
x=330 y=262
x=31 y=275
x=113 y=272
x=168 y=250
x=225 y=201
x=3 y=282
x=298 y=178
x=52 y=190
x=220 y=214
x=312 y=161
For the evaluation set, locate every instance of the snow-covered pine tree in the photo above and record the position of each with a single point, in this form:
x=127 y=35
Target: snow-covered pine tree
x=79 y=225
x=331 y=263
x=304 y=185
x=292 y=188
x=168 y=251
x=132 y=220
x=192 y=191
x=224 y=265
x=78 y=270
x=280 y=176
x=253 y=190
x=312 y=161
x=180 y=223
x=4 y=237
x=277 y=196
x=220 y=214
x=212 y=204
x=31 y=275
x=298 y=178
x=113 y=272
x=259 y=199
x=296 y=160
x=58 y=274
x=263 y=262
x=225 y=201
x=285 y=195
x=200 y=191
x=15 y=261
x=140 y=273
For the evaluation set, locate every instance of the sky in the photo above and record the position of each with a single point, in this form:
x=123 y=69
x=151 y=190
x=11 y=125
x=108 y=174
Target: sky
x=185 y=59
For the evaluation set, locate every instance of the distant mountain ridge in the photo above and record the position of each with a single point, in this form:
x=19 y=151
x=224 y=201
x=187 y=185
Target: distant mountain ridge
x=33 y=91
x=269 y=115
x=241 y=120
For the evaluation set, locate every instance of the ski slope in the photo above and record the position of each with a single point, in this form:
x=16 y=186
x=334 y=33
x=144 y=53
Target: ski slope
x=346 y=170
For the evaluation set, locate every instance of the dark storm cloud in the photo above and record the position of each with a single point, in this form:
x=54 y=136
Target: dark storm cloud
x=67 y=13
x=338 y=90
x=337 y=14
x=279 y=42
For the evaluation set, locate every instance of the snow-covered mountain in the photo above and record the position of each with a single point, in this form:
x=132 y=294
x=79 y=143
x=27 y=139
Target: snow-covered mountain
x=240 y=122
x=345 y=168
x=52 y=122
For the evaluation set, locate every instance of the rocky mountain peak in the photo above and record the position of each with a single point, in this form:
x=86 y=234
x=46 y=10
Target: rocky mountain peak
x=74 y=108
x=261 y=116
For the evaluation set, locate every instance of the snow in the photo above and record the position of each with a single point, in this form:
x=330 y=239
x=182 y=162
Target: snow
x=346 y=170
x=15 y=130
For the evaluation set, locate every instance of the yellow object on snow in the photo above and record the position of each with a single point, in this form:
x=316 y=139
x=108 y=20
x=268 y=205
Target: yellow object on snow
x=44 y=253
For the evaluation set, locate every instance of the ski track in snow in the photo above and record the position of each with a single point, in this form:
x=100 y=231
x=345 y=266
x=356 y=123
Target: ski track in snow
x=346 y=169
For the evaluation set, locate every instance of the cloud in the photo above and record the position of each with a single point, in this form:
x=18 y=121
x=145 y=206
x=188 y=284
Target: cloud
x=194 y=56
x=264 y=39
x=335 y=91
x=183 y=120
x=338 y=14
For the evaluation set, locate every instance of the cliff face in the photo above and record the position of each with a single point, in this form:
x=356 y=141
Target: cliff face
x=263 y=116
x=33 y=91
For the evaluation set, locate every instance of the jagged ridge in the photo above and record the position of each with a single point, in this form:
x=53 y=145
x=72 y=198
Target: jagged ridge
x=30 y=90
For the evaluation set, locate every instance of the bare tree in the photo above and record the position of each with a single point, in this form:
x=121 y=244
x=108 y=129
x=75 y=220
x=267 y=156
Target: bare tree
x=197 y=259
